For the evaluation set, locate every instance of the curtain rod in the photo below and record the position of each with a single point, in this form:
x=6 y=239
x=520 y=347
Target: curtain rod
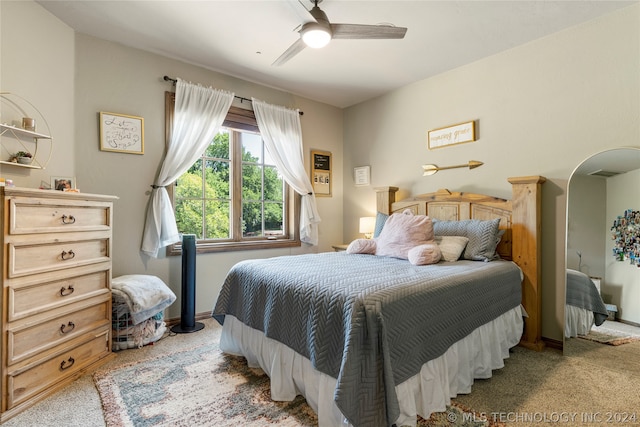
x=174 y=81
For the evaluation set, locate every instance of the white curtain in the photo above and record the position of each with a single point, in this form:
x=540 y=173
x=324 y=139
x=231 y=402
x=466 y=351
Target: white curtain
x=199 y=112
x=280 y=129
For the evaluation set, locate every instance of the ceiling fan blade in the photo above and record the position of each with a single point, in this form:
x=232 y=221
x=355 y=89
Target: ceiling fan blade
x=293 y=50
x=359 y=31
x=300 y=9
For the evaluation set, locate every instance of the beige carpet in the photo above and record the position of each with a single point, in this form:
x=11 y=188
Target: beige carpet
x=593 y=377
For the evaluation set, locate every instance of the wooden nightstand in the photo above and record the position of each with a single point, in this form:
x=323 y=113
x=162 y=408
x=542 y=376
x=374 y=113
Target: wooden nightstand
x=339 y=248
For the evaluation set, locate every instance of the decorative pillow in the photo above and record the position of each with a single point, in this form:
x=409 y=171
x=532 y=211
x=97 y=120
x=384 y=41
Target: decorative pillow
x=451 y=246
x=380 y=221
x=402 y=232
x=362 y=246
x=426 y=254
x=482 y=236
x=498 y=238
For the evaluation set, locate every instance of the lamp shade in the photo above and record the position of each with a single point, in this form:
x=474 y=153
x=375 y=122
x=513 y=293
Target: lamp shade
x=367 y=225
x=315 y=35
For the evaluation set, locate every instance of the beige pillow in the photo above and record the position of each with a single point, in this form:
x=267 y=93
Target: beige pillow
x=402 y=232
x=362 y=246
x=451 y=246
x=426 y=254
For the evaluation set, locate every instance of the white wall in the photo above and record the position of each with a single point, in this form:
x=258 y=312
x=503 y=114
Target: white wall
x=72 y=77
x=541 y=109
x=621 y=285
x=37 y=64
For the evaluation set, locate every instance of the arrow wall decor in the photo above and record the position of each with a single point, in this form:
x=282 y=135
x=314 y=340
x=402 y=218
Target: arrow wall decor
x=431 y=169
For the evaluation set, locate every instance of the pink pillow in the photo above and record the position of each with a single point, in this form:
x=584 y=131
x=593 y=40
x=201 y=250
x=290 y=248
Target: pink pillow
x=402 y=232
x=426 y=254
x=362 y=246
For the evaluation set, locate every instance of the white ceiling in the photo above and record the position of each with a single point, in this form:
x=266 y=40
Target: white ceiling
x=242 y=38
x=617 y=160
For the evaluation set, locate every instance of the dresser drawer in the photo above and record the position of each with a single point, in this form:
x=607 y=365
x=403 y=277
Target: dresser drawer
x=36 y=377
x=26 y=259
x=33 y=216
x=36 y=337
x=25 y=301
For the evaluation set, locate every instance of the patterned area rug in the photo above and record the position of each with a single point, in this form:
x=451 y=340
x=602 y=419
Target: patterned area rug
x=609 y=337
x=204 y=387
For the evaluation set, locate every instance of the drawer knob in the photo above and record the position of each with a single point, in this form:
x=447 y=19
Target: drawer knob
x=70 y=325
x=68 y=255
x=66 y=364
x=68 y=219
x=66 y=291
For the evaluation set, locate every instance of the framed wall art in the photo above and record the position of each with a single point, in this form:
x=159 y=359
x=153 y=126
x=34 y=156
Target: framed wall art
x=321 y=172
x=121 y=133
x=361 y=175
x=452 y=135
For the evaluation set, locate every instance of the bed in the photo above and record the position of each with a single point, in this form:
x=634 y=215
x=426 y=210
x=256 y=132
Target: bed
x=584 y=305
x=371 y=340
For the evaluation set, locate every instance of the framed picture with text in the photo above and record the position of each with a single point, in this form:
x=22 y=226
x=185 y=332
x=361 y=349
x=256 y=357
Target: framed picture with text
x=321 y=173
x=121 y=133
x=361 y=175
x=452 y=135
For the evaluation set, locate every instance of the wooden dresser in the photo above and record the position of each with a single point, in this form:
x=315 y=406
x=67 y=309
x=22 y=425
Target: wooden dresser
x=56 y=291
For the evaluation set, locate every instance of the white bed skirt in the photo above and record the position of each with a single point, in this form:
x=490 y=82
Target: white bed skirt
x=431 y=390
x=577 y=321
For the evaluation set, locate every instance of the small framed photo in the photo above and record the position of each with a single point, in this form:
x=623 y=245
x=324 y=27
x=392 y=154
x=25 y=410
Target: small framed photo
x=63 y=183
x=121 y=133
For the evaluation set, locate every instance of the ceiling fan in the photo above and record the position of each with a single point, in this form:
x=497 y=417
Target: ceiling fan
x=319 y=32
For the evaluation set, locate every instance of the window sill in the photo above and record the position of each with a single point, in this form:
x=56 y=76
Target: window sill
x=203 y=248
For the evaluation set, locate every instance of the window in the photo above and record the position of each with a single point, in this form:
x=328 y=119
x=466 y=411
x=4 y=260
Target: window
x=233 y=197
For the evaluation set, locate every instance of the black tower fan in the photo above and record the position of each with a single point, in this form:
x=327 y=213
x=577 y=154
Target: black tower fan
x=188 y=307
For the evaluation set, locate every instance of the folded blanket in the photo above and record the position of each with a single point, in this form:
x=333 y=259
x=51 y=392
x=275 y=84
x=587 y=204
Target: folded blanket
x=145 y=295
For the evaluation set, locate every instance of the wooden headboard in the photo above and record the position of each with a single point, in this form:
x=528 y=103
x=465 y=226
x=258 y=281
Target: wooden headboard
x=520 y=218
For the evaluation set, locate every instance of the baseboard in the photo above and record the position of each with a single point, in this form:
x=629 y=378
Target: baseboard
x=176 y=320
x=554 y=344
x=627 y=322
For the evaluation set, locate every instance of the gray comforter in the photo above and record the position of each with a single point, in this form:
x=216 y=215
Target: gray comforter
x=370 y=322
x=582 y=293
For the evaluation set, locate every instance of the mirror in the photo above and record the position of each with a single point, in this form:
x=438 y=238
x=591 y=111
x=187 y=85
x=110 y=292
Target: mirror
x=601 y=191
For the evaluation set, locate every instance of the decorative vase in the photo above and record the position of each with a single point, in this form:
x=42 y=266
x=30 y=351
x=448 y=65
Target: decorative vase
x=25 y=160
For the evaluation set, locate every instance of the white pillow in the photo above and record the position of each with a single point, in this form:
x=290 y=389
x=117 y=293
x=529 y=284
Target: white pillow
x=451 y=246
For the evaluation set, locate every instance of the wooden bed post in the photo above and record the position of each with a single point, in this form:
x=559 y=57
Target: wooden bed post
x=385 y=197
x=526 y=252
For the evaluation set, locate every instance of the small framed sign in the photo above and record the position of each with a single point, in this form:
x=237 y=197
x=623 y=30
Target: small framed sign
x=121 y=133
x=451 y=135
x=321 y=173
x=361 y=175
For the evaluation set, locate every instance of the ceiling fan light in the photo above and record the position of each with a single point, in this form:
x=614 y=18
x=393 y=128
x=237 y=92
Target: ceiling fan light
x=316 y=36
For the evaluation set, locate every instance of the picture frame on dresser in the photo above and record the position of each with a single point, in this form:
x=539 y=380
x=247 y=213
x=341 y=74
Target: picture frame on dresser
x=63 y=183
